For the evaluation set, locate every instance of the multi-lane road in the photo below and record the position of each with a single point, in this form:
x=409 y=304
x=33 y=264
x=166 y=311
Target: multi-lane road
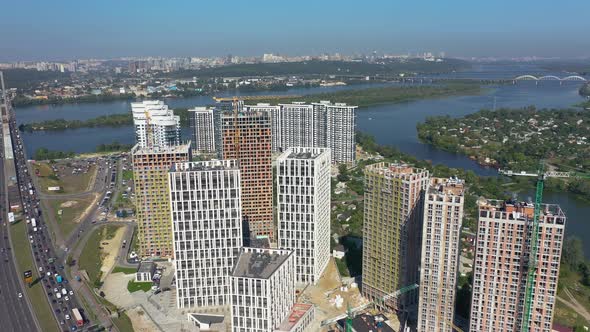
x=16 y=313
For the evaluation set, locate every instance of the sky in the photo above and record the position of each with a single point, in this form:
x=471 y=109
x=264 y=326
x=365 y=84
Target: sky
x=65 y=29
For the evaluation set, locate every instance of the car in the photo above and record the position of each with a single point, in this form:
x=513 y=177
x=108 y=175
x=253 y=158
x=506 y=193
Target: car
x=20 y=295
x=57 y=311
x=67 y=298
x=71 y=293
x=67 y=316
x=55 y=290
x=61 y=322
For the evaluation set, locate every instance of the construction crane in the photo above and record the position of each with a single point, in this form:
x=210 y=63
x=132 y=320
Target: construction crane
x=541 y=175
x=235 y=105
x=351 y=312
x=148 y=129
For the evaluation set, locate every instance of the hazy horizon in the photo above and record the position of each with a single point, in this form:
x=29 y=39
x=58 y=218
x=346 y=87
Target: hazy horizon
x=39 y=30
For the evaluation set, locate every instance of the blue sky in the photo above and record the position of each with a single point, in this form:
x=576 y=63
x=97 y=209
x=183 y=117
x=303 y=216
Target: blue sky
x=64 y=29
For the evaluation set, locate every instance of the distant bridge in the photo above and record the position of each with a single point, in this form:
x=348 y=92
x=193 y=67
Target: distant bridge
x=550 y=78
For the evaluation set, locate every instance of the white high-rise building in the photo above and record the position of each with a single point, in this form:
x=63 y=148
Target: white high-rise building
x=203 y=129
x=206 y=211
x=263 y=289
x=164 y=126
x=500 y=268
x=303 y=209
x=340 y=130
x=441 y=230
x=299 y=124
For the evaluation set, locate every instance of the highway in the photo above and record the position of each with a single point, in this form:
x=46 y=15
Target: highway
x=47 y=267
x=16 y=313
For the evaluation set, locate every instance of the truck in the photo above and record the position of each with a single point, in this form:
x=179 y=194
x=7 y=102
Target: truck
x=77 y=317
x=33 y=222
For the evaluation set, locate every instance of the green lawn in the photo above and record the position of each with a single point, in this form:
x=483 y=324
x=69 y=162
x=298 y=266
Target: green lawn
x=125 y=270
x=127 y=175
x=68 y=220
x=133 y=286
x=36 y=293
x=123 y=323
x=91 y=257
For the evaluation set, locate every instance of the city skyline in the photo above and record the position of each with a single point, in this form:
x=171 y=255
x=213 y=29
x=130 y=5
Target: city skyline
x=463 y=29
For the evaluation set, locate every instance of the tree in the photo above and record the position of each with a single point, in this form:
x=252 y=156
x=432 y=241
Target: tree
x=343 y=173
x=573 y=253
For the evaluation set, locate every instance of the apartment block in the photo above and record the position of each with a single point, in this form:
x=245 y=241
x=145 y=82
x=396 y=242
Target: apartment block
x=303 y=209
x=206 y=217
x=155 y=124
x=263 y=289
x=246 y=137
x=150 y=177
x=391 y=230
x=275 y=125
x=441 y=231
x=299 y=124
x=500 y=271
x=202 y=129
x=340 y=130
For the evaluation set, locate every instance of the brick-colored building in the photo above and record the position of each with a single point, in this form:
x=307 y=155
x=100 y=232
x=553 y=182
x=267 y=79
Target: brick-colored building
x=150 y=176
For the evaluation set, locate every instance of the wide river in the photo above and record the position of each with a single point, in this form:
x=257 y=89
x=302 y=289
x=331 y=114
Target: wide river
x=393 y=124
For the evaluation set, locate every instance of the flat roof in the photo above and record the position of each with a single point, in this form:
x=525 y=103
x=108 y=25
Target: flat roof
x=211 y=165
x=259 y=263
x=368 y=323
x=450 y=186
x=207 y=318
x=298 y=311
x=146 y=267
x=182 y=148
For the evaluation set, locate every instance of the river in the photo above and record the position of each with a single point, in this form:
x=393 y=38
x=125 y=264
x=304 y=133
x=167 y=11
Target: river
x=393 y=124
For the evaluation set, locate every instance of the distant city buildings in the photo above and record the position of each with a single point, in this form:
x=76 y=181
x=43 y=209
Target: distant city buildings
x=303 y=209
x=501 y=262
x=202 y=129
x=155 y=124
x=263 y=289
x=246 y=137
x=391 y=227
x=152 y=200
x=441 y=230
x=206 y=217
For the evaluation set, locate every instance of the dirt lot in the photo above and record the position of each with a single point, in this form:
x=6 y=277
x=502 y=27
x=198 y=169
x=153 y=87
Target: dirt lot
x=111 y=249
x=72 y=211
x=327 y=289
x=141 y=322
x=71 y=176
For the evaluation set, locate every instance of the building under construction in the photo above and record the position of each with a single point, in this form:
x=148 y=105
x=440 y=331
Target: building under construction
x=501 y=262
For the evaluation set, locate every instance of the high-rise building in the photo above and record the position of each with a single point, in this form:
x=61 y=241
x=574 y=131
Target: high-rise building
x=155 y=124
x=207 y=230
x=274 y=113
x=203 y=129
x=303 y=209
x=500 y=270
x=299 y=124
x=441 y=230
x=246 y=137
x=340 y=130
x=150 y=177
x=391 y=230
x=263 y=289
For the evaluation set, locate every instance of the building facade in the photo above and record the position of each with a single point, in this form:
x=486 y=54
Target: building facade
x=275 y=125
x=206 y=217
x=299 y=124
x=500 y=267
x=155 y=124
x=441 y=230
x=263 y=289
x=202 y=129
x=391 y=227
x=246 y=137
x=303 y=209
x=150 y=177
x=340 y=130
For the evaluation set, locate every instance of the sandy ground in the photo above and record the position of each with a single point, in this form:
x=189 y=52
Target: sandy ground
x=141 y=321
x=87 y=211
x=111 y=252
x=68 y=204
x=326 y=289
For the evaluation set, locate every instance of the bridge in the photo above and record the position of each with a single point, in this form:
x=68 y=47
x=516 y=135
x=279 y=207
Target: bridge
x=537 y=79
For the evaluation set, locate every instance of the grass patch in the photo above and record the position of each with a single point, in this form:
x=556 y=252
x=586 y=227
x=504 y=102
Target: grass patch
x=68 y=220
x=123 y=323
x=125 y=270
x=69 y=184
x=133 y=286
x=91 y=257
x=564 y=315
x=36 y=293
x=127 y=175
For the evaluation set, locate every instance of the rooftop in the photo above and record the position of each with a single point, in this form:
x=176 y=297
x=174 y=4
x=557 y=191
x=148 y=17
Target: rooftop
x=259 y=263
x=211 y=165
x=450 y=186
x=297 y=312
x=182 y=148
x=368 y=323
x=520 y=210
x=394 y=169
x=146 y=267
x=304 y=153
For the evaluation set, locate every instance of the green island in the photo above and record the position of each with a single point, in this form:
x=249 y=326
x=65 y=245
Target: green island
x=518 y=139
x=46 y=154
x=20 y=100
x=360 y=97
x=585 y=90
